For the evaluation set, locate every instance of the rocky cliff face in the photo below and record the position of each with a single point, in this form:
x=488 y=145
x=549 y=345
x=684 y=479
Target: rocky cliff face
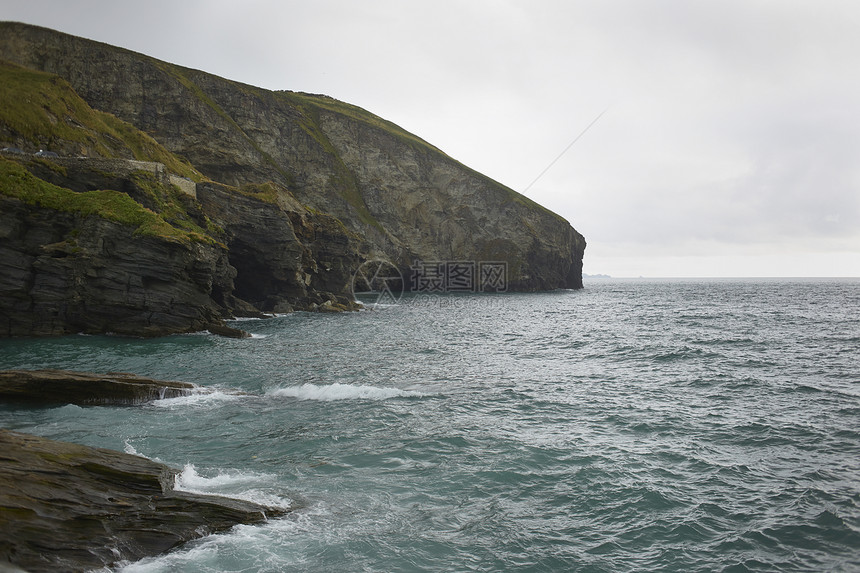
x=285 y=256
x=63 y=273
x=302 y=188
x=89 y=261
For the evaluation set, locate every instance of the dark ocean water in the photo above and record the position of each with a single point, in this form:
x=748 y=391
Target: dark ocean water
x=699 y=425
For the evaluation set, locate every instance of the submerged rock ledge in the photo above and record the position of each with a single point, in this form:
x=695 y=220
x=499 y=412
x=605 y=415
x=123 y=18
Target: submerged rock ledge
x=67 y=507
x=86 y=388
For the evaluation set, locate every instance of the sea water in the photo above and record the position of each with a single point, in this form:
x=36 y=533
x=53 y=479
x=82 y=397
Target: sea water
x=696 y=425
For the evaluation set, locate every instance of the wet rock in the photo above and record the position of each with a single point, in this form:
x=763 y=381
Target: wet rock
x=227 y=331
x=85 y=388
x=67 y=507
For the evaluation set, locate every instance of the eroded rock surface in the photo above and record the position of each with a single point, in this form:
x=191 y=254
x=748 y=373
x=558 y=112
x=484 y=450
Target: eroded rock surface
x=49 y=387
x=67 y=507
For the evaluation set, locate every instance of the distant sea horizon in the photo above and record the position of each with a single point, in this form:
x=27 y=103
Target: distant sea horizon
x=605 y=276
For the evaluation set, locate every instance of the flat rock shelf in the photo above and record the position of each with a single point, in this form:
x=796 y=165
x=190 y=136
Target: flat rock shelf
x=68 y=507
x=49 y=387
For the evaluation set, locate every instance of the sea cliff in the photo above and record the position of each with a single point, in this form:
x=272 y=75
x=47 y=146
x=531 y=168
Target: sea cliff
x=245 y=200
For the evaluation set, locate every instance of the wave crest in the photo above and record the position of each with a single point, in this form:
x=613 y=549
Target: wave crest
x=198 y=397
x=253 y=487
x=337 y=391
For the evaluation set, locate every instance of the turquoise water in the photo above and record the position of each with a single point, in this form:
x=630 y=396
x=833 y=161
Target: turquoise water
x=632 y=426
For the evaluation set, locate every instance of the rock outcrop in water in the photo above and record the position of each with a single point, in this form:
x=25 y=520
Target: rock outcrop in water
x=52 y=387
x=67 y=507
x=246 y=200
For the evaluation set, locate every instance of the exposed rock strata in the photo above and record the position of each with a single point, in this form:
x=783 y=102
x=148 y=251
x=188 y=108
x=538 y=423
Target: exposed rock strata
x=65 y=273
x=50 y=387
x=285 y=256
x=67 y=507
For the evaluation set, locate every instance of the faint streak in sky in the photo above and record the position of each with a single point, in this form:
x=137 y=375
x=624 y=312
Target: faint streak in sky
x=581 y=133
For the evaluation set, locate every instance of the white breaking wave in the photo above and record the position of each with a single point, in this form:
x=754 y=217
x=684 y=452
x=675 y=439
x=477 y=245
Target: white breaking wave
x=337 y=391
x=129 y=449
x=378 y=305
x=191 y=481
x=198 y=397
x=237 y=485
x=250 y=545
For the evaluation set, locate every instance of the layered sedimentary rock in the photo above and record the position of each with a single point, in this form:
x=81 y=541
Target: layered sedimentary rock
x=64 y=272
x=285 y=256
x=52 y=387
x=294 y=190
x=67 y=507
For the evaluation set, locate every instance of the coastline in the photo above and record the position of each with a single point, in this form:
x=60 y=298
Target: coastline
x=72 y=507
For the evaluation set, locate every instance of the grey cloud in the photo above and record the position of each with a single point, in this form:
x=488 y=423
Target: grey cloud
x=731 y=124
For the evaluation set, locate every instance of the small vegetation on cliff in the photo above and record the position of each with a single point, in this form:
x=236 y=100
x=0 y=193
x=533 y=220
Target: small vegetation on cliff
x=45 y=111
x=17 y=182
x=173 y=205
x=266 y=192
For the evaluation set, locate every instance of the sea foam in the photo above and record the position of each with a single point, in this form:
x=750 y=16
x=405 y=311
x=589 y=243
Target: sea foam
x=198 y=397
x=238 y=485
x=337 y=391
x=129 y=449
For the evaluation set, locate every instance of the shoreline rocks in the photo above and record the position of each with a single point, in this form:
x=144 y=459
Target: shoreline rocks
x=68 y=507
x=44 y=387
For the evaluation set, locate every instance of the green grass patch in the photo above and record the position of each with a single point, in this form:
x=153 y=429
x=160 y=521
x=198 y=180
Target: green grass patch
x=266 y=192
x=51 y=165
x=171 y=204
x=17 y=182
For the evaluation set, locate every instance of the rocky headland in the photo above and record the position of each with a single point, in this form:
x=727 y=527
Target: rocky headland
x=178 y=198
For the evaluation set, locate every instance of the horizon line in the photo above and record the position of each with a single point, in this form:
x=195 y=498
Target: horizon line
x=605 y=276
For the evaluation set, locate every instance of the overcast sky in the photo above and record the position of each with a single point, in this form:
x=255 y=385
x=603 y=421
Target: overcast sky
x=729 y=146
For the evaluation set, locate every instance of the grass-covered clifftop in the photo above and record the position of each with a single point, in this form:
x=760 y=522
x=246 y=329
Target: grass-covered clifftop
x=42 y=111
